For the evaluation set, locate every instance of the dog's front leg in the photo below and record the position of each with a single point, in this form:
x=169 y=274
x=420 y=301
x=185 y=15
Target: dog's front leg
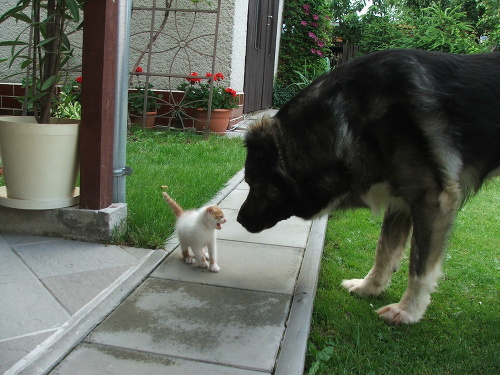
x=390 y=249
x=432 y=221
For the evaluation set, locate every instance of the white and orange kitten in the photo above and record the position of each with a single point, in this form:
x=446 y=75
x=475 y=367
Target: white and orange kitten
x=196 y=230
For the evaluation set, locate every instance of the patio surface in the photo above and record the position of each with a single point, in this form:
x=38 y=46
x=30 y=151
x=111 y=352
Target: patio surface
x=72 y=307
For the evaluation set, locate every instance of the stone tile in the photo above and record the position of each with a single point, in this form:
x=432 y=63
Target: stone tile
x=90 y=359
x=206 y=323
x=243 y=265
x=13 y=350
x=12 y=268
x=22 y=239
x=243 y=185
x=64 y=257
x=28 y=307
x=75 y=290
x=234 y=200
x=292 y=232
x=137 y=252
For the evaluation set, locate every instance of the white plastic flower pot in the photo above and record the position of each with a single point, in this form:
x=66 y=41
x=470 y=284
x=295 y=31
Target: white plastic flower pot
x=40 y=162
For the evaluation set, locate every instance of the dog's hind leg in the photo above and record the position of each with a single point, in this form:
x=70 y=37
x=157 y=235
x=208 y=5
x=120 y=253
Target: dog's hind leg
x=390 y=250
x=432 y=221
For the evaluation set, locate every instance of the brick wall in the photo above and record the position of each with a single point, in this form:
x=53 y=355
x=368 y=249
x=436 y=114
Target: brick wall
x=11 y=106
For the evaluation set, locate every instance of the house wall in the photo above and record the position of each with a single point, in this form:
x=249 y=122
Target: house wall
x=169 y=56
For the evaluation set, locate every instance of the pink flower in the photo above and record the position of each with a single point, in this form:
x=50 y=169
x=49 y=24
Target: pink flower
x=313 y=51
x=312 y=35
x=315 y=17
x=321 y=44
x=306 y=8
x=303 y=23
x=314 y=24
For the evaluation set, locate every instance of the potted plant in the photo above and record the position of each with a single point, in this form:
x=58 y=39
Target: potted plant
x=143 y=103
x=197 y=96
x=40 y=153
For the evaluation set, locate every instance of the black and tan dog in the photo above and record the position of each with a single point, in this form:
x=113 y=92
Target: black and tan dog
x=412 y=132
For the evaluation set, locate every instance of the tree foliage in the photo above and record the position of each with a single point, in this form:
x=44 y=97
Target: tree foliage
x=456 y=26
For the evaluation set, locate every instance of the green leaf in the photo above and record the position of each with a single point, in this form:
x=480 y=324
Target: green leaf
x=45 y=41
x=13 y=43
x=74 y=9
x=15 y=12
x=48 y=82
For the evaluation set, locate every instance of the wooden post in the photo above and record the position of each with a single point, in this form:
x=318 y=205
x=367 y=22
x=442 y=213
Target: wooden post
x=98 y=103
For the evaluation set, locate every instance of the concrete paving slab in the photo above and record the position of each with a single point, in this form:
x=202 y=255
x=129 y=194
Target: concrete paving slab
x=28 y=307
x=246 y=266
x=234 y=200
x=233 y=327
x=12 y=268
x=75 y=290
x=13 y=349
x=21 y=239
x=104 y=360
x=62 y=257
x=292 y=232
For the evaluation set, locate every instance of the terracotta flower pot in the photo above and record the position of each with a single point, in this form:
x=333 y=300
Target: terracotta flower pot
x=136 y=119
x=219 y=120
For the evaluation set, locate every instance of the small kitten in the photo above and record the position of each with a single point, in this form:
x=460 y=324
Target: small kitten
x=196 y=230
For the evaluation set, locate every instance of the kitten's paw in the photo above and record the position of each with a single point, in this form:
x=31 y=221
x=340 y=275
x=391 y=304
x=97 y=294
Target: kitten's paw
x=189 y=260
x=395 y=315
x=361 y=287
x=214 y=267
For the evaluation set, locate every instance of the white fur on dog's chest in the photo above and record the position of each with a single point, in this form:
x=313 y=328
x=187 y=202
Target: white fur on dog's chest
x=378 y=197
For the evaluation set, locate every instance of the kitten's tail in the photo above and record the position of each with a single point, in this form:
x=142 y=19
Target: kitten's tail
x=178 y=211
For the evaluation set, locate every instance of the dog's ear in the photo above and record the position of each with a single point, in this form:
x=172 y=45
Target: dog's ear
x=260 y=141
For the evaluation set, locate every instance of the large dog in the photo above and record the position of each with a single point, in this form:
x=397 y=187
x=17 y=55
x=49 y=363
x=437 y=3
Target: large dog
x=410 y=131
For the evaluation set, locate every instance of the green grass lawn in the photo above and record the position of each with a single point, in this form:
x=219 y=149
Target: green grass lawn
x=194 y=170
x=459 y=334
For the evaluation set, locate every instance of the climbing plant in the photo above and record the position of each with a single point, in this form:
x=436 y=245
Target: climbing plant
x=305 y=38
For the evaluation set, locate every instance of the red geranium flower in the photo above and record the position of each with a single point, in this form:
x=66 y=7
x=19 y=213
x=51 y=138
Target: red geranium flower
x=219 y=76
x=79 y=79
x=230 y=91
x=138 y=69
x=193 y=80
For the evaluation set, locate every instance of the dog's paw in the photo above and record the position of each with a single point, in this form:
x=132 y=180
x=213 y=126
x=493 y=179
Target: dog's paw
x=207 y=257
x=214 y=267
x=361 y=287
x=189 y=260
x=395 y=315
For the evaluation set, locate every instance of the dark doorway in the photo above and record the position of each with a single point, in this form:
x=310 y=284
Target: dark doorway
x=260 y=54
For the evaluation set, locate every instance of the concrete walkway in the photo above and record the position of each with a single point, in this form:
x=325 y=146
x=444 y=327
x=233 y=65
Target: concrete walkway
x=74 y=308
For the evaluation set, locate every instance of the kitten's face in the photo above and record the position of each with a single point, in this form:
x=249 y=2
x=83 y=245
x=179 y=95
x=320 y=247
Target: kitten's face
x=217 y=216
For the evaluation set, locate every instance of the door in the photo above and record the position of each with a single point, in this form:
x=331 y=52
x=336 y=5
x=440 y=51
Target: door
x=260 y=54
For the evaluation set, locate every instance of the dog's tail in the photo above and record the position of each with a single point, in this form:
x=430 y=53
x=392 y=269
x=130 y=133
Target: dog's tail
x=178 y=211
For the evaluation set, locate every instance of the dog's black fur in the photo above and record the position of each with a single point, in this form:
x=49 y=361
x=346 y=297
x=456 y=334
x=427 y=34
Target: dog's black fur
x=416 y=132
